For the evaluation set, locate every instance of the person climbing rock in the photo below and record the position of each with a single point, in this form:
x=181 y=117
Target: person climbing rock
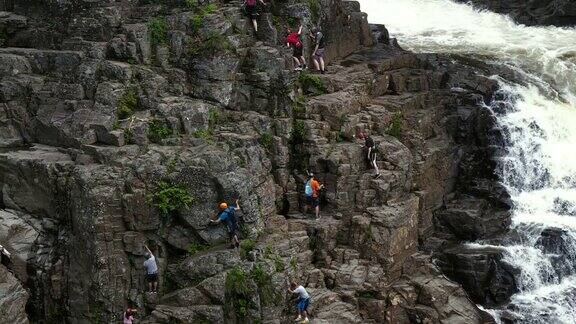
x=319 y=49
x=252 y=11
x=293 y=40
x=371 y=151
x=302 y=303
x=311 y=191
x=151 y=271
x=128 y=316
x=227 y=214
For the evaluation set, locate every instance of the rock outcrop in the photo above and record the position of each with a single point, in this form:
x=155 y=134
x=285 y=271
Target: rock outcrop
x=126 y=123
x=533 y=12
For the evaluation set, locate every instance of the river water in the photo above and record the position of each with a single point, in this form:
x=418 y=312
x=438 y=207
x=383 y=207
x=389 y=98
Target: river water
x=539 y=124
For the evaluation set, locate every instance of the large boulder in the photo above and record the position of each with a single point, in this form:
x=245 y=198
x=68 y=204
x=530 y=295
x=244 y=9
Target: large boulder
x=484 y=274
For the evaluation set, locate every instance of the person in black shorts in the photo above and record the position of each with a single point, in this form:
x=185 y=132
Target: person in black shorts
x=293 y=40
x=371 y=151
x=252 y=11
x=319 y=49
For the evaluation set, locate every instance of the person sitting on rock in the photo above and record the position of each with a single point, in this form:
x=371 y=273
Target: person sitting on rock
x=319 y=48
x=227 y=214
x=293 y=40
x=311 y=191
x=252 y=11
x=128 y=316
x=302 y=303
x=371 y=150
x=151 y=271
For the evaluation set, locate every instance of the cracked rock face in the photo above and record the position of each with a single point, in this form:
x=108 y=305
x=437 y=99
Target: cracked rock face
x=104 y=104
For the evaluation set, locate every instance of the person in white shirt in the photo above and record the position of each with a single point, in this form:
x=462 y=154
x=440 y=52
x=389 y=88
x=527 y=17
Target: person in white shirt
x=303 y=301
x=151 y=271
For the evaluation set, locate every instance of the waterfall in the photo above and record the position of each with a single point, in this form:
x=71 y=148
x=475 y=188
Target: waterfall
x=539 y=126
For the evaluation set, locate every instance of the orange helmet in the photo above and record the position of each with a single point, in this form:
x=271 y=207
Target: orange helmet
x=223 y=205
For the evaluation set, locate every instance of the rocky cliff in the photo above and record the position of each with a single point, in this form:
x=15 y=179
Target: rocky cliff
x=125 y=123
x=533 y=12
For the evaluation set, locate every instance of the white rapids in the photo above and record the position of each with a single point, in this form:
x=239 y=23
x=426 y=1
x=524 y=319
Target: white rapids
x=539 y=166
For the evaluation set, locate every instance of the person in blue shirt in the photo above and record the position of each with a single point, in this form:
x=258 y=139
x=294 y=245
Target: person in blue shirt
x=227 y=214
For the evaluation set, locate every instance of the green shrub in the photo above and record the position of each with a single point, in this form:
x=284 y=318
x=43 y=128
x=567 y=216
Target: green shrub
x=213 y=44
x=395 y=126
x=203 y=134
x=247 y=246
x=268 y=251
x=197 y=17
x=293 y=264
x=267 y=141
x=238 y=291
x=128 y=135
x=3 y=36
x=169 y=198
x=292 y=22
x=158 y=29
x=214 y=117
x=264 y=282
x=311 y=84
x=299 y=132
x=279 y=264
x=195 y=247
x=158 y=130
x=127 y=104
x=314 y=8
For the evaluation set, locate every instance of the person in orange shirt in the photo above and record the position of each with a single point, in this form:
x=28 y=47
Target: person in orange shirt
x=311 y=191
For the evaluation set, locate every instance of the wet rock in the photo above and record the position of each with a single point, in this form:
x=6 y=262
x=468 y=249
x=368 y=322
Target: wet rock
x=545 y=12
x=486 y=277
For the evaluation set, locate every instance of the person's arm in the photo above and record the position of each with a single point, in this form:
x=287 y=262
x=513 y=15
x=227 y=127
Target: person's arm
x=215 y=221
x=300 y=30
x=369 y=150
x=316 y=48
x=237 y=205
x=147 y=249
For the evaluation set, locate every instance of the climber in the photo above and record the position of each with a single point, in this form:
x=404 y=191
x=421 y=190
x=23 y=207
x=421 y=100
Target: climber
x=293 y=40
x=319 y=48
x=371 y=150
x=228 y=214
x=252 y=11
x=302 y=303
x=128 y=316
x=311 y=191
x=151 y=271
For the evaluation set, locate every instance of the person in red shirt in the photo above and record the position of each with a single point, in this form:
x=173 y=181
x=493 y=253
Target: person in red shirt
x=293 y=40
x=252 y=11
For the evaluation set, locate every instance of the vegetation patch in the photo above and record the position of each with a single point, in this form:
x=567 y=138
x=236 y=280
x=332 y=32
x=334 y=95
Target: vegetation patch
x=368 y=294
x=158 y=130
x=128 y=135
x=127 y=104
x=314 y=8
x=279 y=264
x=214 y=43
x=247 y=246
x=199 y=12
x=395 y=126
x=3 y=36
x=169 y=198
x=238 y=292
x=158 y=29
x=311 y=84
x=298 y=152
x=195 y=247
x=267 y=141
x=263 y=280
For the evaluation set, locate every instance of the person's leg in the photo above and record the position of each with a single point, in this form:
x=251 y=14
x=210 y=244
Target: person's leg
x=303 y=61
x=156 y=285
x=297 y=61
x=317 y=207
x=375 y=164
x=316 y=63
x=255 y=24
x=322 y=66
x=150 y=286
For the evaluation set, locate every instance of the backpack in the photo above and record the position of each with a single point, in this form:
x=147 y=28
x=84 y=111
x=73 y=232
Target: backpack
x=308 y=191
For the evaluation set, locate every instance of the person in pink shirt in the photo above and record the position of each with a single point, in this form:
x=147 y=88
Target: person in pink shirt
x=128 y=316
